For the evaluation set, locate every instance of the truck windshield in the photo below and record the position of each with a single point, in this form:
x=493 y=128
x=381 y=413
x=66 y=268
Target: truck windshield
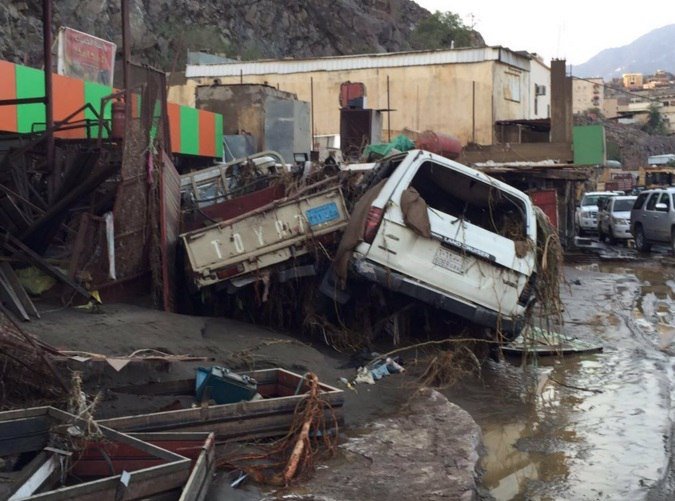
x=623 y=205
x=590 y=200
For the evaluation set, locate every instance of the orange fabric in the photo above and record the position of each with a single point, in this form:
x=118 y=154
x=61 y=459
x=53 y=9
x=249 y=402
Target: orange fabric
x=173 y=110
x=8 y=120
x=68 y=96
x=207 y=134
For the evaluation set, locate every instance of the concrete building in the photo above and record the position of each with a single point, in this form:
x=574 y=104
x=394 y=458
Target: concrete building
x=633 y=80
x=461 y=92
x=587 y=93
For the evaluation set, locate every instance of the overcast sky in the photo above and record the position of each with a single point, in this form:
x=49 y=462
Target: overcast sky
x=575 y=30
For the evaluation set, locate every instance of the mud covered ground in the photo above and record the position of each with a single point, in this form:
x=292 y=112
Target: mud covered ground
x=595 y=426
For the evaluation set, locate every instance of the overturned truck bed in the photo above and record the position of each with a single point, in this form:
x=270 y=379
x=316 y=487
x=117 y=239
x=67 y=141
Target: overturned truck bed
x=269 y=235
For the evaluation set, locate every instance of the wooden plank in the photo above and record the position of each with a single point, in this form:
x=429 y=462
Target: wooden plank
x=143 y=483
x=36 y=480
x=198 y=484
x=23 y=435
x=13 y=280
x=518 y=152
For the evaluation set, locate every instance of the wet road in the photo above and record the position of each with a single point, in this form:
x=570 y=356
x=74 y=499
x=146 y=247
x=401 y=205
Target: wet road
x=594 y=426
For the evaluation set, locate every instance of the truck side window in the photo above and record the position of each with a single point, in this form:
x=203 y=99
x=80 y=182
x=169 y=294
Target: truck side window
x=640 y=200
x=470 y=199
x=652 y=201
x=665 y=199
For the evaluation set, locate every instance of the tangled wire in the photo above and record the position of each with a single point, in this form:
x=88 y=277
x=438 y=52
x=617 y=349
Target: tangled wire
x=310 y=435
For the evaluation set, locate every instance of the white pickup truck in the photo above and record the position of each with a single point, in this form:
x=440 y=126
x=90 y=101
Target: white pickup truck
x=253 y=242
x=478 y=262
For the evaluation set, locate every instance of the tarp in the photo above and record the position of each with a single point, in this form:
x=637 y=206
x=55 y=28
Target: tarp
x=399 y=143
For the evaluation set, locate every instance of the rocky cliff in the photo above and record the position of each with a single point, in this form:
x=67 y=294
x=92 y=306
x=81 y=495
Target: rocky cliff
x=163 y=30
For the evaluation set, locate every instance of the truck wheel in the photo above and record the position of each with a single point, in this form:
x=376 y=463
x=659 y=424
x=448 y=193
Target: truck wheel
x=640 y=241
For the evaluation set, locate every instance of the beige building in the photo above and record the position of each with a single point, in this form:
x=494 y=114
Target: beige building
x=633 y=80
x=461 y=92
x=637 y=111
x=587 y=94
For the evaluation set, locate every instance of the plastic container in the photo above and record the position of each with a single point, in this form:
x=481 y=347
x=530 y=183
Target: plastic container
x=223 y=386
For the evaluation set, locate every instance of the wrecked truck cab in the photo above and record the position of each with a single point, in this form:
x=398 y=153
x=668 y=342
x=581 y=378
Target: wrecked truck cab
x=451 y=237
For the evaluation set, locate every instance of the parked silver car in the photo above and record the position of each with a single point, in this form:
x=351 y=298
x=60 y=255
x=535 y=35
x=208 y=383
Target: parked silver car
x=653 y=218
x=586 y=215
x=614 y=218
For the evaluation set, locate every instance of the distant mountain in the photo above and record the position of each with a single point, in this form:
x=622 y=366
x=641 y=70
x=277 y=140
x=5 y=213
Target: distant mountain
x=651 y=52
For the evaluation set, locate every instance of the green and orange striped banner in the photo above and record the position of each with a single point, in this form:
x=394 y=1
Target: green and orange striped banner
x=193 y=131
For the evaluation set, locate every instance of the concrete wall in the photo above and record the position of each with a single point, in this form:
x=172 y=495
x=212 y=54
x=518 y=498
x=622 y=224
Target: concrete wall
x=540 y=75
x=462 y=98
x=276 y=119
x=437 y=97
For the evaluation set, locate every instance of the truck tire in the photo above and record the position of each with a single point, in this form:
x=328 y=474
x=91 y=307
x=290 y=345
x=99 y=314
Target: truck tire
x=640 y=241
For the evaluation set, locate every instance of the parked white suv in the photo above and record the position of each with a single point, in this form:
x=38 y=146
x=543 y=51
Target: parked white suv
x=479 y=260
x=586 y=215
x=653 y=218
x=614 y=218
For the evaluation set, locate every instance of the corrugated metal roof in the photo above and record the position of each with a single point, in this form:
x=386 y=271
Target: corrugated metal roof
x=366 y=61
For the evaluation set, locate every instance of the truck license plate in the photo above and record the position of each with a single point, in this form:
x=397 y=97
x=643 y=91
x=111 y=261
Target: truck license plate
x=322 y=214
x=449 y=260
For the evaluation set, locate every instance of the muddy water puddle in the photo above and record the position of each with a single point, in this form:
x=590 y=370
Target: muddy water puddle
x=593 y=426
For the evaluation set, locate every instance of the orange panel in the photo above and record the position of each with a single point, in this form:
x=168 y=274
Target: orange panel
x=174 y=126
x=68 y=96
x=7 y=91
x=207 y=134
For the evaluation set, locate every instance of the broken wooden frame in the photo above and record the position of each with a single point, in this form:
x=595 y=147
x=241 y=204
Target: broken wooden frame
x=269 y=417
x=29 y=430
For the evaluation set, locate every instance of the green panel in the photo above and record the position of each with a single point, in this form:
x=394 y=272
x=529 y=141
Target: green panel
x=219 y=135
x=93 y=92
x=30 y=83
x=189 y=130
x=589 y=145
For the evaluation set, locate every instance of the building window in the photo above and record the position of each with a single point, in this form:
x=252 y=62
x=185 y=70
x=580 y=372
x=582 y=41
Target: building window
x=512 y=87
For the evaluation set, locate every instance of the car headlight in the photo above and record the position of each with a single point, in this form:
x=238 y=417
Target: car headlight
x=621 y=221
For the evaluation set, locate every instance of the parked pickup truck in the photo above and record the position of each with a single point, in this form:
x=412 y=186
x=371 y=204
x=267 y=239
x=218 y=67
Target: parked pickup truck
x=254 y=241
x=479 y=260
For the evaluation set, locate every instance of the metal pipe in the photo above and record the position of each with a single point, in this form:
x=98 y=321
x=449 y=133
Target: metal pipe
x=126 y=59
x=311 y=105
x=47 y=56
x=473 y=113
x=388 y=114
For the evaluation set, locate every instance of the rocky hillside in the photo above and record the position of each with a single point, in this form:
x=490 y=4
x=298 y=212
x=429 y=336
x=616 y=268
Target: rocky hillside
x=651 y=52
x=163 y=30
x=628 y=143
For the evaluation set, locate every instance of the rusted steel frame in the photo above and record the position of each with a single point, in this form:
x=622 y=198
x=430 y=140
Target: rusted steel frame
x=54 y=128
x=24 y=100
x=49 y=98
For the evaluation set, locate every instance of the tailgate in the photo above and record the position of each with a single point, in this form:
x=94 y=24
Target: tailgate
x=263 y=238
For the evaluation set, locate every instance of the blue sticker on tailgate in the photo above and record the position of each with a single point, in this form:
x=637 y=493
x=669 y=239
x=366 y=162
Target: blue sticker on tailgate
x=322 y=214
